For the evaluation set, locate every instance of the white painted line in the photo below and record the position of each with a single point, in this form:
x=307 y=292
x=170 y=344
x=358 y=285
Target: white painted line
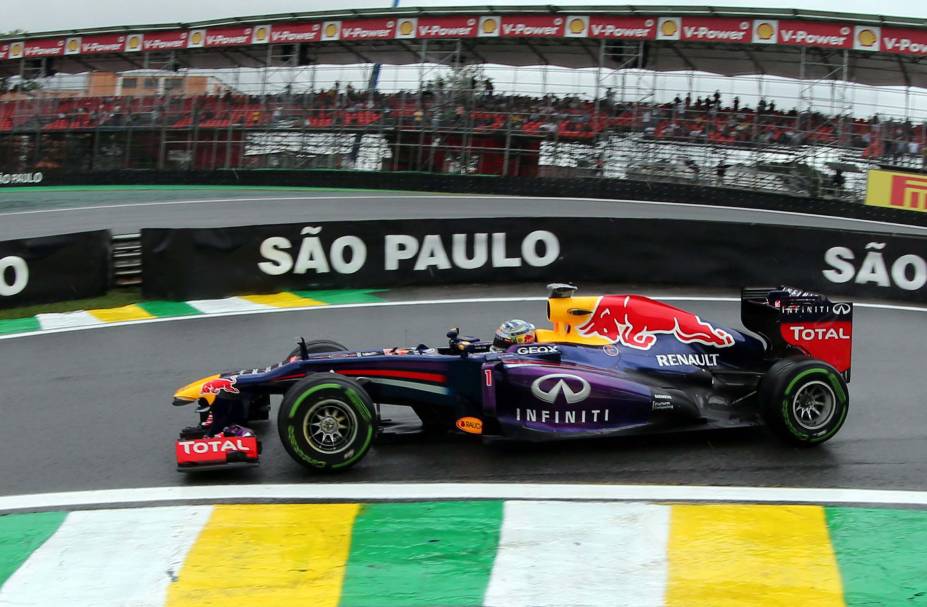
x=67 y=320
x=588 y=554
x=108 y=557
x=457 y=197
x=312 y=491
x=389 y=304
x=168 y=203
x=227 y=305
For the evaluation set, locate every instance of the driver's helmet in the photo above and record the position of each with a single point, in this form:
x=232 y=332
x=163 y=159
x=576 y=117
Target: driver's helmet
x=513 y=332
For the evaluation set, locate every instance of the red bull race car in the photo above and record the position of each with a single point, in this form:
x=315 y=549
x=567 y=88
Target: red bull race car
x=609 y=365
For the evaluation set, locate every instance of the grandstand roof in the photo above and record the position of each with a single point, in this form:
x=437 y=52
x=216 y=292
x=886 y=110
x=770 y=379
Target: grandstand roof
x=880 y=50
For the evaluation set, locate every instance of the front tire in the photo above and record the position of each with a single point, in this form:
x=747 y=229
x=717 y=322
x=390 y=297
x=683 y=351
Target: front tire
x=326 y=422
x=805 y=401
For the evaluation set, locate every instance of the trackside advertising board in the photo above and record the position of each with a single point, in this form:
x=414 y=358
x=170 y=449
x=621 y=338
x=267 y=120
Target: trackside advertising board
x=906 y=191
x=211 y=263
x=708 y=29
x=54 y=268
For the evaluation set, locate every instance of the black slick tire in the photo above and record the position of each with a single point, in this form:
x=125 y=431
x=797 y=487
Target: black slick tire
x=326 y=422
x=804 y=401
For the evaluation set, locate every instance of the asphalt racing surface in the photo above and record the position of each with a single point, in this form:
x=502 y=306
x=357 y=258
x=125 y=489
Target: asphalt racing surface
x=40 y=212
x=91 y=409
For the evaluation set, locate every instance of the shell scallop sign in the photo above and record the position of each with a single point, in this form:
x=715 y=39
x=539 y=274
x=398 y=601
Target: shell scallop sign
x=576 y=26
x=488 y=28
x=331 y=30
x=260 y=35
x=867 y=38
x=406 y=27
x=72 y=46
x=134 y=43
x=668 y=28
x=765 y=31
x=197 y=39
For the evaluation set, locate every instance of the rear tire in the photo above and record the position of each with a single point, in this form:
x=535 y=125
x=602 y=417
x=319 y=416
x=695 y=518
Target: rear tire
x=326 y=422
x=805 y=401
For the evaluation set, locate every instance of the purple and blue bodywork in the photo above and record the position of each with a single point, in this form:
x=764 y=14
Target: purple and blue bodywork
x=636 y=375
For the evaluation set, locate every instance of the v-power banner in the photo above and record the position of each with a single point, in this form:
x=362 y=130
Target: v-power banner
x=210 y=263
x=54 y=268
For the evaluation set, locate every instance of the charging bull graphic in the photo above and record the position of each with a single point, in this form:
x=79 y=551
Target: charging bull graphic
x=222 y=384
x=636 y=321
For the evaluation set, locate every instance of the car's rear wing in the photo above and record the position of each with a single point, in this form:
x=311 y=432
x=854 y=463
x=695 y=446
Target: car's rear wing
x=792 y=321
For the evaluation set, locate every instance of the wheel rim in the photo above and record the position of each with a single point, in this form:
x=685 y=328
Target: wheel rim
x=330 y=426
x=814 y=404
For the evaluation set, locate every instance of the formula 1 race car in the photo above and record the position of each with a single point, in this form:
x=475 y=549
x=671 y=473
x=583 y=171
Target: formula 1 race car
x=609 y=365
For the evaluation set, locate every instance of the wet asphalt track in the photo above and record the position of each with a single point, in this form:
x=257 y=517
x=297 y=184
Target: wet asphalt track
x=91 y=409
x=26 y=213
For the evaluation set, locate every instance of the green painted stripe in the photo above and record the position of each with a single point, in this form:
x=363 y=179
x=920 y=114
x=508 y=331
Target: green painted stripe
x=881 y=555
x=424 y=554
x=344 y=296
x=21 y=535
x=163 y=309
x=19 y=325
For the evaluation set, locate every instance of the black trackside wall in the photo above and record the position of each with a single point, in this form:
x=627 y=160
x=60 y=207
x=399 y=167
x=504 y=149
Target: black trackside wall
x=54 y=268
x=210 y=263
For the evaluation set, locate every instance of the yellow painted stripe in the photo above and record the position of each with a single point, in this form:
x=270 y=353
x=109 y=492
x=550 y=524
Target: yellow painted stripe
x=285 y=554
x=130 y=312
x=721 y=556
x=283 y=300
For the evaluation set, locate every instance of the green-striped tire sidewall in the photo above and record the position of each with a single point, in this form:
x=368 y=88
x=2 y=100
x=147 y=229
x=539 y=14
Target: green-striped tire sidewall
x=784 y=388
x=296 y=405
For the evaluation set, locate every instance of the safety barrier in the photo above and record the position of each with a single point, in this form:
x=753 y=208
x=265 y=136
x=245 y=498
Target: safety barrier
x=212 y=263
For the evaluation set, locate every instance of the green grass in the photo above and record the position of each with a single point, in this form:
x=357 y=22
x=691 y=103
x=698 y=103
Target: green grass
x=114 y=299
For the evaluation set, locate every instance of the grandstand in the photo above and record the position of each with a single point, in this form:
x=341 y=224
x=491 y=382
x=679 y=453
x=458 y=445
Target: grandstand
x=608 y=93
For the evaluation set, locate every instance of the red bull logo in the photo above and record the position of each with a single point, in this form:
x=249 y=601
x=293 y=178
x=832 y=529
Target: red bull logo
x=636 y=321
x=222 y=384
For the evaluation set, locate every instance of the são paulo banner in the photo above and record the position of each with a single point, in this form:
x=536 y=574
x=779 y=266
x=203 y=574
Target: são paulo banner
x=193 y=263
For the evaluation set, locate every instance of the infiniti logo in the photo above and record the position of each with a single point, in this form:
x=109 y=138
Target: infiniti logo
x=842 y=308
x=575 y=389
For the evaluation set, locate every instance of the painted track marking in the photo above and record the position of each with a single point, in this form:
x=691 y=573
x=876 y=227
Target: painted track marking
x=459 y=491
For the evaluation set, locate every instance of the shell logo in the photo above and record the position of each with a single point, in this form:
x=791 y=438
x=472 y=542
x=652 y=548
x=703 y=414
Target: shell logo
x=490 y=26
x=260 y=34
x=134 y=43
x=73 y=45
x=406 y=28
x=196 y=38
x=765 y=31
x=576 y=25
x=331 y=30
x=669 y=28
x=16 y=49
x=867 y=37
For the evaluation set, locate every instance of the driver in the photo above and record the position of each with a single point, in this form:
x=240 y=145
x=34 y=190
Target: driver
x=513 y=332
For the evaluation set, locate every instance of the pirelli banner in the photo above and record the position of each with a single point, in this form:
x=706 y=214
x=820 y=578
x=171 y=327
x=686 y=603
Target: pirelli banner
x=905 y=191
x=210 y=263
x=54 y=268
